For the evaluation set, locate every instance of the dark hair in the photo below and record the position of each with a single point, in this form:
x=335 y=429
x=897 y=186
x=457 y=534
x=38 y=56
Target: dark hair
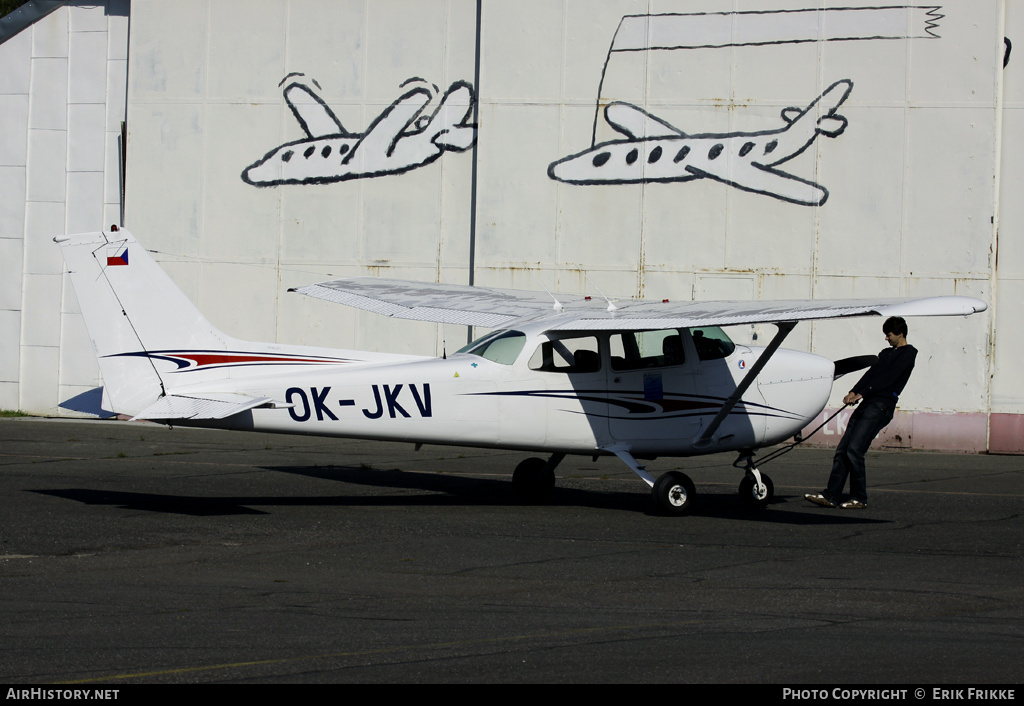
x=895 y=324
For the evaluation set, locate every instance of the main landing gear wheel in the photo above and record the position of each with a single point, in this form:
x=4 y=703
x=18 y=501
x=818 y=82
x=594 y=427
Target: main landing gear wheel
x=673 y=493
x=754 y=496
x=533 y=480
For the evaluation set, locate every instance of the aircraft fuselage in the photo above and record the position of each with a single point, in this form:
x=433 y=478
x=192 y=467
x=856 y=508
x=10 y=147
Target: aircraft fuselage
x=470 y=400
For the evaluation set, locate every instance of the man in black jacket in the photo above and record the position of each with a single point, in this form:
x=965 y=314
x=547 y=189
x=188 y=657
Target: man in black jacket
x=877 y=392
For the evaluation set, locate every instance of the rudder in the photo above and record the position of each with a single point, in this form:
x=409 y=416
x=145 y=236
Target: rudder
x=132 y=309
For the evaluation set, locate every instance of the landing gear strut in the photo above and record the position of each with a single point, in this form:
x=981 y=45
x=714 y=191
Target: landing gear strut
x=534 y=478
x=756 y=488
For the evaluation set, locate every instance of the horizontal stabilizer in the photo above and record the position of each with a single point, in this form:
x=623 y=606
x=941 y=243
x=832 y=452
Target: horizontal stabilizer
x=791 y=114
x=215 y=405
x=456 y=138
x=832 y=125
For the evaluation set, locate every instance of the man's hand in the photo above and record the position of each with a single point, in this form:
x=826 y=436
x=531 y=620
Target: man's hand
x=852 y=398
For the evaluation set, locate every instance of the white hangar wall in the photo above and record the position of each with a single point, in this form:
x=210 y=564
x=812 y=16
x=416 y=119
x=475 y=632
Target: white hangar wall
x=62 y=102
x=913 y=194
x=205 y=102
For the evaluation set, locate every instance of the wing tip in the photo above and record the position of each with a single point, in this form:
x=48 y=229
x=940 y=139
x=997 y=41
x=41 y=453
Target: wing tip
x=936 y=306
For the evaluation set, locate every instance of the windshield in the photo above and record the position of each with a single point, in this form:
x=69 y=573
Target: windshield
x=712 y=342
x=500 y=346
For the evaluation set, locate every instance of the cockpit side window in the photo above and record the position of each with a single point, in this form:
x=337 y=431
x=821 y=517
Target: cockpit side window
x=501 y=346
x=637 y=350
x=572 y=354
x=712 y=343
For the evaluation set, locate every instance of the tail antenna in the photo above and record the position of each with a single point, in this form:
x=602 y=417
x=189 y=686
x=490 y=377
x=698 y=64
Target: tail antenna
x=611 y=306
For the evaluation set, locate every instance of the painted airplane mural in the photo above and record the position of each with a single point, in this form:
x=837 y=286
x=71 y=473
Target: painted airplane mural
x=401 y=138
x=655 y=151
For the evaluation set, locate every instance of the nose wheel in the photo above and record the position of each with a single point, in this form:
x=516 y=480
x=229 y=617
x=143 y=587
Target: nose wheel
x=756 y=495
x=756 y=488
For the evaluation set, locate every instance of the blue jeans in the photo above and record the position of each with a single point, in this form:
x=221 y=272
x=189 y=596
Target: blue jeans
x=870 y=417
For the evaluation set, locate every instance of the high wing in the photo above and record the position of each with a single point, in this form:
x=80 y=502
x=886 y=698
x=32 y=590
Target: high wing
x=316 y=119
x=440 y=303
x=384 y=133
x=500 y=308
x=638 y=124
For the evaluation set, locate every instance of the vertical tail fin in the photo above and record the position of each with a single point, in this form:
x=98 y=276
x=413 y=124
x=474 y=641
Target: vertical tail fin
x=449 y=120
x=132 y=310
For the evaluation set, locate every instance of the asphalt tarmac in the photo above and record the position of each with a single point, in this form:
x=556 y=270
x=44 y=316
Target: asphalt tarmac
x=132 y=553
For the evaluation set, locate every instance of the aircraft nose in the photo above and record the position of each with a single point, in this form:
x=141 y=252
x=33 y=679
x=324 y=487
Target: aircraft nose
x=570 y=169
x=260 y=172
x=794 y=366
x=796 y=387
x=556 y=170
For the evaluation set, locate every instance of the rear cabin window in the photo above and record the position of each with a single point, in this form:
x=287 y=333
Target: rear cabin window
x=576 y=354
x=637 y=350
x=712 y=342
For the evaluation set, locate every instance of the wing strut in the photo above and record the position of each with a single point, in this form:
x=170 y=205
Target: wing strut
x=784 y=328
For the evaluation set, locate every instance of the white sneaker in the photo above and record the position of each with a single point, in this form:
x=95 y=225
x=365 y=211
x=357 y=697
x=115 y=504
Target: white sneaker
x=819 y=499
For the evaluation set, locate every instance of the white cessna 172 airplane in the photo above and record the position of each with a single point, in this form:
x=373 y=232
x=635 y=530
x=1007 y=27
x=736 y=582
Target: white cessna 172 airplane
x=559 y=375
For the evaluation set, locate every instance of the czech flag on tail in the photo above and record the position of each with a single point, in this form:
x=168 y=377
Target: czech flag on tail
x=114 y=258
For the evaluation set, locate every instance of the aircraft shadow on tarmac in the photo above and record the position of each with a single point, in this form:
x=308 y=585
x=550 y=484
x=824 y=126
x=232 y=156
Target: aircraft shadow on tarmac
x=426 y=489
x=173 y=504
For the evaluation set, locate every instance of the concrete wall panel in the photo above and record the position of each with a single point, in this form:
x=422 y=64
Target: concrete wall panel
x=41 y=365
x=14 y=143
x=167 y=186
x=85 y=202
x=405 y=38
x=48 y=110
x=87 y=67
x=861 y=225
x=48 y=157
x=16 y=58
x=516 y=213
x=50 y=36
x=10 y=352
x=11 y=251
x=238 y=63
x=335 y=27
x=168 y=70
x=522 y=56
x=41 y=312
x=12 y=205
x=86 y=140
x=46 y=220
